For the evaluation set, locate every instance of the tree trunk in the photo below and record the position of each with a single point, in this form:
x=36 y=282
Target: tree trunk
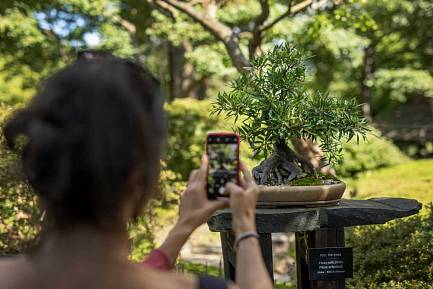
x=283 y=166
x=201 y=92
x=183 y=80
x=176 y=67
x=313 y=154
x=366 y=94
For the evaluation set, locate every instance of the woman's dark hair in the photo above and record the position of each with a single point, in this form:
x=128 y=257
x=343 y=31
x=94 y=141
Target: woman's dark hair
x=88 y=129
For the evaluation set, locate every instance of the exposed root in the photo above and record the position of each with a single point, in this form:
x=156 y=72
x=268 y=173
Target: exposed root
x=282 y=166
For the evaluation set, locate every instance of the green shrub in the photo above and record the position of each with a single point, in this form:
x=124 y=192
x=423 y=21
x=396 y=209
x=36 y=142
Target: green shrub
x=397 y=255
x=188 y=122
x=373 y=153
x=394 y=86
x=20 y=217
x=200 y=269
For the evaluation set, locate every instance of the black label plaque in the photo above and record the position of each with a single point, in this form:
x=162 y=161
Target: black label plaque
x=330 y=263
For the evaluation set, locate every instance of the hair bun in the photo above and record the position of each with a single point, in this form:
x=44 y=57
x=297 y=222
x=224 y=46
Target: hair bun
x=43 y=151
x=16 y=126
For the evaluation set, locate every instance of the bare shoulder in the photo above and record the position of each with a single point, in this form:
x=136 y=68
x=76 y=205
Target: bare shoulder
x=232 y=285
x=12 y=264
x=13 y=271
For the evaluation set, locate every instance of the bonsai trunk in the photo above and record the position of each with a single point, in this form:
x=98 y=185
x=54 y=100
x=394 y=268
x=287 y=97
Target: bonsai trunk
x=283 y=165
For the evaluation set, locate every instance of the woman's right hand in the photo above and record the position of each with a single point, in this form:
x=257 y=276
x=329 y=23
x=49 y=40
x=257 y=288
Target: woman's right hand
x=243 y=199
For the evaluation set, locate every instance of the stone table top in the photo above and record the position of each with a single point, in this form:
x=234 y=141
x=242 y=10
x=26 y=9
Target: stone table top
x=300 y=219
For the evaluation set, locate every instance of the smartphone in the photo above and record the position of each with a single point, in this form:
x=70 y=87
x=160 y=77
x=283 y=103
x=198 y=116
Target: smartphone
x=222 y=149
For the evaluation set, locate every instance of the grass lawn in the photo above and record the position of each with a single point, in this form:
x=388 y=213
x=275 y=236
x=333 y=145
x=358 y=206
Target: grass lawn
x=413 y=179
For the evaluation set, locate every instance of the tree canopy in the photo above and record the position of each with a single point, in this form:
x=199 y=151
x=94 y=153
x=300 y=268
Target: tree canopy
x=195 y=47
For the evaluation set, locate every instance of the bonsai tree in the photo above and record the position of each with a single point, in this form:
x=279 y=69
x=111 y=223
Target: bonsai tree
x=274 y=107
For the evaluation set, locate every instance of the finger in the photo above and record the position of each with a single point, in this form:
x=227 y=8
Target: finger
x=192 y=176
x=248 y=178
x=204 y=161
x=242 y=182
x=218 y=205
x=201 y=176
x=232 y=188
x=182 y=193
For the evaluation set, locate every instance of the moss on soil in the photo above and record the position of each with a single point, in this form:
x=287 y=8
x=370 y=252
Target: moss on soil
x=307 y=181
x=312 y=181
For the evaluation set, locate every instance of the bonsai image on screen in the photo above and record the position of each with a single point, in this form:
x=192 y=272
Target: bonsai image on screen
x=222 y=166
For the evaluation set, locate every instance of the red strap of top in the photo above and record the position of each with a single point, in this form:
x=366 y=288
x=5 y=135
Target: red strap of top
x=157 y=259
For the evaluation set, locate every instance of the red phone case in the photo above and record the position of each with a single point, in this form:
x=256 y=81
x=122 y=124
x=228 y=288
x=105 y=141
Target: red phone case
x=223 y=134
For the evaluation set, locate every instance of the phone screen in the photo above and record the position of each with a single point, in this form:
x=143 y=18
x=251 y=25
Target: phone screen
x=223 y=151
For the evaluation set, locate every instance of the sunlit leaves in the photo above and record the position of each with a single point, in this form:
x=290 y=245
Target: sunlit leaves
x=271 y=103
x=395 y=86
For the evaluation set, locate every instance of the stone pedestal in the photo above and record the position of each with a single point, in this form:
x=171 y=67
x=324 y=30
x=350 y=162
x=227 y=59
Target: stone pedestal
x=315 y=228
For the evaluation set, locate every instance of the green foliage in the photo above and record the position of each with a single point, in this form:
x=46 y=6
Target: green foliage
x=241 y=13
x=20 y=217
x=395 y=86
x=398 y=255
x=12 y=90
x=170 y=186
x=188 y=123
x=400 y=31
x=372 y=153
x=210 y=60
x=274 y=105
x=408 y=180
x=183 y=29
x=335 y=51
x=195 y=268
x=142 y=235
x=40 y=37
x=206 y=56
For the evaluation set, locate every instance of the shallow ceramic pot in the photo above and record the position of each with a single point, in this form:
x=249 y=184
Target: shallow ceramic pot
x=301 y=195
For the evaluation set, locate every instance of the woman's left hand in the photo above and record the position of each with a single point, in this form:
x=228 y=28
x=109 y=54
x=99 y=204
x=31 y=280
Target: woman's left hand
x=195 y=208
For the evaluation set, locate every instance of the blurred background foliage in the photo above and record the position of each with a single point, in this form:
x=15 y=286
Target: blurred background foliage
x=379 y=52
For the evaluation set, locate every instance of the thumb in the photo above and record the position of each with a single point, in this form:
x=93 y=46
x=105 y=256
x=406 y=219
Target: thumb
x=233 y=188
x=218 y=205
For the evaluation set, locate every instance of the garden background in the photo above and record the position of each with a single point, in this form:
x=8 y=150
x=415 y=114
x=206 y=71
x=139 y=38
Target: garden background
x=379 y=52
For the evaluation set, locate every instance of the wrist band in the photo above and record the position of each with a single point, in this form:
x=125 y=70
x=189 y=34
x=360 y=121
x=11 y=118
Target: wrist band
x=243 y=236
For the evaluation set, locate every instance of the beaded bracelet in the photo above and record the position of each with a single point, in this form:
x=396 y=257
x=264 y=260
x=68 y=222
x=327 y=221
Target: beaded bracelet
x=243 y=236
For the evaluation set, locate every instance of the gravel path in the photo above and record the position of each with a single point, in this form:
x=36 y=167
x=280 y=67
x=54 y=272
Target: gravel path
x=204 y=247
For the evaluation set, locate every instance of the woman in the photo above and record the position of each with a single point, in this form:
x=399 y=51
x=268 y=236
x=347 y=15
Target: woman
x=93 y=138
